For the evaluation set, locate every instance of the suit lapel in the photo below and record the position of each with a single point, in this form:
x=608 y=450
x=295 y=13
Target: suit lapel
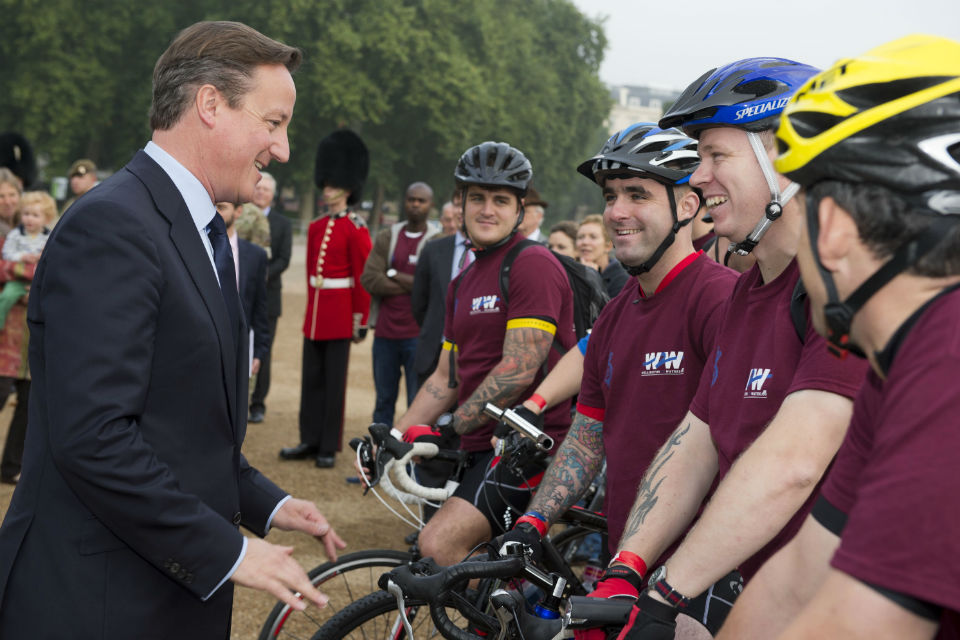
x=183 y=234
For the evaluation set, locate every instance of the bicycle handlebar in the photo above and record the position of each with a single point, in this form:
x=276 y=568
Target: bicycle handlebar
x=519 y=424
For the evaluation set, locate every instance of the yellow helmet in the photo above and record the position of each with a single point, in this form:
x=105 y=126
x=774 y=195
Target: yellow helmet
x=889 y=117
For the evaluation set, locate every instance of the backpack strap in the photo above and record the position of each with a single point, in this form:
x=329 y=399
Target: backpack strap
x=505 y=268
x=452 y=380
x=799 y=304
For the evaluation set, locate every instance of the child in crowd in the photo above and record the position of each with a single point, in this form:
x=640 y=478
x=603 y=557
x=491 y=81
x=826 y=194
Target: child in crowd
x=25 y=242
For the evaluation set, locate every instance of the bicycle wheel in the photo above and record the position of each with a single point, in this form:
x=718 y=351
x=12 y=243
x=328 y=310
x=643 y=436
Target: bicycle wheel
x=349 y=578
x=375 y=617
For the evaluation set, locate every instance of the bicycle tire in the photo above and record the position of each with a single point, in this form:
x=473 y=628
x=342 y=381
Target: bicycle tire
x=374 y=617
x=352 y=576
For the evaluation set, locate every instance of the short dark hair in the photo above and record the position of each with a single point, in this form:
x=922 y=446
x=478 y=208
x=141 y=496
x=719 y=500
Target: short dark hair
x=223 y=54
x=568 y=227
x=885 y=220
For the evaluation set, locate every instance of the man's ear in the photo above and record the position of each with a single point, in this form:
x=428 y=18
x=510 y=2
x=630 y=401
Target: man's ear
x=208 y=101
x=837 y=234
x=688 y=204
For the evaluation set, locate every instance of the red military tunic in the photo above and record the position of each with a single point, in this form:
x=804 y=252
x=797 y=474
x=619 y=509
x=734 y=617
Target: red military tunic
x=337 y=248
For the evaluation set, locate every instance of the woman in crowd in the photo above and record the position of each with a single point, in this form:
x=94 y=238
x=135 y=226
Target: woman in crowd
x=595 y=248
x=563 y=238
x=14 y=337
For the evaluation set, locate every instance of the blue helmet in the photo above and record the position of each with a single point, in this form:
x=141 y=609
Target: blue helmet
x=644 y=149
x=749 y=94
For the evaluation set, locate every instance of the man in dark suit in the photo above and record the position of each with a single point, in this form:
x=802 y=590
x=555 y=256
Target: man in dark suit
x=133 y=484
x=281 y=244
x=430 y=282
x=251 y=268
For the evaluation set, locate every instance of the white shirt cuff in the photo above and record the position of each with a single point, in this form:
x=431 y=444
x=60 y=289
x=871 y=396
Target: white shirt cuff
x=273 y=513
x=243 y=553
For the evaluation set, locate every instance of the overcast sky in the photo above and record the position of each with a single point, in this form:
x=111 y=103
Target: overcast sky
x=670 y=44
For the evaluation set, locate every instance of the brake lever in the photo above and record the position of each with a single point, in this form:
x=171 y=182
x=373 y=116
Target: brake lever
x=505 y=608
x=397 y=592
x=364 y=449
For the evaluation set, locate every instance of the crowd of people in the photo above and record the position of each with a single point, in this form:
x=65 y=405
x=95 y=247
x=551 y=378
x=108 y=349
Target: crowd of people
x=767 y=386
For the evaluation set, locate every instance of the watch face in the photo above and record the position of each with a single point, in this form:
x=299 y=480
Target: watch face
x=391 y=273
x=660 y=573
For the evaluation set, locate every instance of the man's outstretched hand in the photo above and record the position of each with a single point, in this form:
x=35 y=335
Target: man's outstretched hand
x=271 y=568
x=303 y=515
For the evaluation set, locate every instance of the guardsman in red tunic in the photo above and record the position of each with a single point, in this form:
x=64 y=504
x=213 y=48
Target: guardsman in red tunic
x=337 y=305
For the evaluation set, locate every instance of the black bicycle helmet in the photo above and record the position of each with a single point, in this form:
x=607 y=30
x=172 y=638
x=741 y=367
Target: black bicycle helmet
x=647 y=151
x=665 y=155
x=494 y=164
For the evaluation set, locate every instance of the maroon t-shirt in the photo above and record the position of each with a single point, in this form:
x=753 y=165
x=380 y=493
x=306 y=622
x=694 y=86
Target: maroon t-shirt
x=476 y=323
x=896 y=476
x=758 y=361
x=395 y=319
x=641 y=370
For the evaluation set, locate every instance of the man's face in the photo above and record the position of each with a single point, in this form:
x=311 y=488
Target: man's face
x=532 y=217
x=449 y=219
x=490 y=214
x=417 y=203
x=81 y=184
x=228 y=212
x=812 y=281
x=252 y=135
x=263 y=194
x=734 y=189
x=637 y=215
x=335 y=198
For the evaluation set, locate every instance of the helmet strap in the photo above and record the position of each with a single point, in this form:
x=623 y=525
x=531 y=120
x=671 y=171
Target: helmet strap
x=839 y=315
x=774 y=208
x=636 y=270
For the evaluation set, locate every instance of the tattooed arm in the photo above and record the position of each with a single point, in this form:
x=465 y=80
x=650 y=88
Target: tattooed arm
x=435 y=396
x=672 y=489
x=524 y=351
x=764 y=488
x=573 y=468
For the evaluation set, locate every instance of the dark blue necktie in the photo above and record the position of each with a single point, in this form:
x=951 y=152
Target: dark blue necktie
x=226 y=271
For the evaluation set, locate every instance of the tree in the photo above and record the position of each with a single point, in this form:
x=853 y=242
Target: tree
x=419 y=80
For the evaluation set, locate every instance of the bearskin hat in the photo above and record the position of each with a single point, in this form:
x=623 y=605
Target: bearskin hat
x=343 y=161
x=16 y=154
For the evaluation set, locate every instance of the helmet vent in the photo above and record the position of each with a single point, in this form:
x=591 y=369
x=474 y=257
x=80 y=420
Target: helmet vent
x=812 y=123
x=869 y=95
x=759 y=87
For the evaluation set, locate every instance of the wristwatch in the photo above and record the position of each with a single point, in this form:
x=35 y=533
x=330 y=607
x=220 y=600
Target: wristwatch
x=658 y=582
x=391 y=273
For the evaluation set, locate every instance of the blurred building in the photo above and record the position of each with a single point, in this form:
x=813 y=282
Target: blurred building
x=637 y=104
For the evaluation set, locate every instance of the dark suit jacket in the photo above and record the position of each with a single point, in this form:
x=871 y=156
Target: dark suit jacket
x=133 y=483
x=253 y=294
x=281 y=246
x=430 y=282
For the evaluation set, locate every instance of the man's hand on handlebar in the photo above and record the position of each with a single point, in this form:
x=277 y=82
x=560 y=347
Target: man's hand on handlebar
x=528 y=531
x=617 y=581
x=650 y=620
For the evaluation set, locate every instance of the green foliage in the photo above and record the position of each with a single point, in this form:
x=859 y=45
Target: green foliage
x=420 y=80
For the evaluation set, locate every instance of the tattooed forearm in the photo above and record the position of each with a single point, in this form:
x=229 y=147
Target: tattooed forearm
x=440 y=393
x=573 y=468
x=524 y=351
x=647 y=492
